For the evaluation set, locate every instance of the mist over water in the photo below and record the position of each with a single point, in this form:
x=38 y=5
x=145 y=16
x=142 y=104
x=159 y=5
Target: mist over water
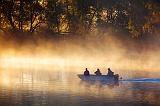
x=46 y=44
x=48 y=87
x=44 y=72
x=118 y=51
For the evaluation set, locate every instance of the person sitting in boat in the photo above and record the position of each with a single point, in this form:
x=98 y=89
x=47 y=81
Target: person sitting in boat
x=98 y=72
x=86 y=72
x=110 y=72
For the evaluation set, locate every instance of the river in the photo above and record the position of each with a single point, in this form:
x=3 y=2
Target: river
x=42 y=87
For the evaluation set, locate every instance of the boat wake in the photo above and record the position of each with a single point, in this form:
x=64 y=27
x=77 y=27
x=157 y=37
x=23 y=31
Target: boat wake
x=154 y=80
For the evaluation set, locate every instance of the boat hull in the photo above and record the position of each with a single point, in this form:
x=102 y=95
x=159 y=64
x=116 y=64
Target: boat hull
x=97 y=78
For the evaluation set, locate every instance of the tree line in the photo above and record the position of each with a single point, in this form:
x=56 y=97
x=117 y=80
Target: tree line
x=135 y=17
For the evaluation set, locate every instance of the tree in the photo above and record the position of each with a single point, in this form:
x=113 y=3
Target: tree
x=20 y=14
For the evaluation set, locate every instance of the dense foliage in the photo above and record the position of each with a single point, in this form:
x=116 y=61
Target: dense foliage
x=135 y=17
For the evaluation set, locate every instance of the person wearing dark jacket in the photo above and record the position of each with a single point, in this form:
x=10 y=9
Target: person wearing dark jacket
x=110 y=73
x=86 y=72
x=98 y=72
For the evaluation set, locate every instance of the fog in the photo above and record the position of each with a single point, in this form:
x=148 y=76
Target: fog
x=107 y=49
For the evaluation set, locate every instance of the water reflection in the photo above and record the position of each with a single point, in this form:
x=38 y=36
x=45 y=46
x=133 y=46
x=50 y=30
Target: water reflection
x=30 y=87
x=99 y=84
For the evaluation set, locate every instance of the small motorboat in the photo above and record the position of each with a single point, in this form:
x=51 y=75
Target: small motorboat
x=105 y=78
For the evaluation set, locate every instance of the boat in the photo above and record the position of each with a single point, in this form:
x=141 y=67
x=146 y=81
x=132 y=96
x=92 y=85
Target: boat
x=105 y=78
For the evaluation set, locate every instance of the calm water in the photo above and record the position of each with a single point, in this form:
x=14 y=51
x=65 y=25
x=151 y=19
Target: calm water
x=32 y=87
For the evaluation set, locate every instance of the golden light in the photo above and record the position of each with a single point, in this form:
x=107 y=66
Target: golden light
x=5 y=80
x=30 y=61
